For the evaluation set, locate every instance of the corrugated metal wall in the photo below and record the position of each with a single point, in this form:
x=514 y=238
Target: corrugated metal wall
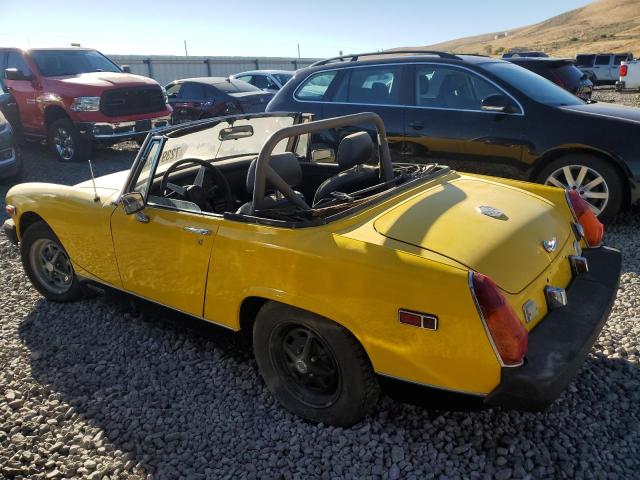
x=165 y=69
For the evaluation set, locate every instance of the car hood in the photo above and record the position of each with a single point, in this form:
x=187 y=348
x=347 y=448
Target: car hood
x=113 y=181
x=105 y=80
x=616 y=112
x=447 y=219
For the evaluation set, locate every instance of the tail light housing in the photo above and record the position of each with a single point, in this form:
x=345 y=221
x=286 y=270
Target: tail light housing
x=623 y=70
x=593 y=229
x=508 y=336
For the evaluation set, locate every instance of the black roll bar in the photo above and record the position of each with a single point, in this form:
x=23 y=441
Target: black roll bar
x=264 y=172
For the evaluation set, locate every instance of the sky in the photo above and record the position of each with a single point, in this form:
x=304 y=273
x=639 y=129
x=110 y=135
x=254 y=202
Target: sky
x=321 y=28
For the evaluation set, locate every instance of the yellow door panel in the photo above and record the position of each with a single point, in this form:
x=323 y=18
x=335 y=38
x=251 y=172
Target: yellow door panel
x=166 y=259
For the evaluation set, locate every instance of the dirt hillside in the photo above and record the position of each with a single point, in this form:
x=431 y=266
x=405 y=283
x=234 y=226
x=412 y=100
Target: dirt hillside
x=602 y=26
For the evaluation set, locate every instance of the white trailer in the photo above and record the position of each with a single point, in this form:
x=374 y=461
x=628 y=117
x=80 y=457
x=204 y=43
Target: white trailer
x=629 y=76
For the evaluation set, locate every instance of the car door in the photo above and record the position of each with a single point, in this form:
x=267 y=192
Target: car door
x=448 y=121
x=163 y=252
x=23 y=92
x=187 y=101
x=376 y=88
x=602 y=67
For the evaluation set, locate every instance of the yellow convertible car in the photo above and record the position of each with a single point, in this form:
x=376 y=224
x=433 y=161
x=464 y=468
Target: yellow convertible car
x=343 y=266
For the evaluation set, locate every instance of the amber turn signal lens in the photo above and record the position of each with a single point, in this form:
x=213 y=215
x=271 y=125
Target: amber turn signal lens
x=10 y=209
x=509 y=336
x=593 y=229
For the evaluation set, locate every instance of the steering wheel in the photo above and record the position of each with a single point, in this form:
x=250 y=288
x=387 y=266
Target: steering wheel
x=197 y=193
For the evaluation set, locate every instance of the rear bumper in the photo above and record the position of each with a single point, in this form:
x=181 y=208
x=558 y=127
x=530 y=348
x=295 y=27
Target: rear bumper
x=620 y=85
x=121 y=130
x=559 y=345
x=9 y=229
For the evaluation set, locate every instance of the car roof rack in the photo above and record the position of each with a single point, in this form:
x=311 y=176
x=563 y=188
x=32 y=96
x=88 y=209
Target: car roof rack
x=355 y=56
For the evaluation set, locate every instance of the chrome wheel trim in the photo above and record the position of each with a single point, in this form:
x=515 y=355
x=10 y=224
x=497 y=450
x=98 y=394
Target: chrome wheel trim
x=591 y=186
x=51 y=266
x=63 y=142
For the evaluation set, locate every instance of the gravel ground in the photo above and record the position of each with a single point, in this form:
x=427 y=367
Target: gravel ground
x=103 y=389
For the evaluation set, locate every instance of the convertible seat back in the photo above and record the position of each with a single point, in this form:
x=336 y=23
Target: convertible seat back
x=288 y=167
x=353 y=152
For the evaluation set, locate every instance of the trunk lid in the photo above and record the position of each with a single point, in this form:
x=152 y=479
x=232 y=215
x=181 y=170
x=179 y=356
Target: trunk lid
x=252 y=102
x=492 y=228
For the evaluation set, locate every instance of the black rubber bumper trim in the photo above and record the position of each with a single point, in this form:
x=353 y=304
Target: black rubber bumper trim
x=9 y=229
x=559 y=344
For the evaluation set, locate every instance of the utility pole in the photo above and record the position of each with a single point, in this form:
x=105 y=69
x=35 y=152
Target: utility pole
x=298 y=49
x=186 y=54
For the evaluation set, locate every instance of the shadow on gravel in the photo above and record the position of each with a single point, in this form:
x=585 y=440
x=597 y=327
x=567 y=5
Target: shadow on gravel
x=166 y=388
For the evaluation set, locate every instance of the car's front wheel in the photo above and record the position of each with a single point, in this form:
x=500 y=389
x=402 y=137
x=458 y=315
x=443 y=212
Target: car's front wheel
x=595 y=179
x=47 y=264
x=65 y=142
x=314 y=367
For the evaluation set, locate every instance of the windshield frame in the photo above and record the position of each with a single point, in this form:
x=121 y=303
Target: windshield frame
x=34 y=54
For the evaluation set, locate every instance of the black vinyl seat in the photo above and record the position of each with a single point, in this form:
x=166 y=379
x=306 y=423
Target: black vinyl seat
x=288 y=167
x=353 y=152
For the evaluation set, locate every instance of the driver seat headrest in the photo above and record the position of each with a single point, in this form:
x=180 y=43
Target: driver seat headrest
x=354 y=149
x=285 y=164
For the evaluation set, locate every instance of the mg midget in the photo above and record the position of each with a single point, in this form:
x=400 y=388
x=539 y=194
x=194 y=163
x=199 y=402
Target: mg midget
x=342 y=266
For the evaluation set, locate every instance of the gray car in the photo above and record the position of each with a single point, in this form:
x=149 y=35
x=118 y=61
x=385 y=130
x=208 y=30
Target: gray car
x=267 y=80
x=10 y=161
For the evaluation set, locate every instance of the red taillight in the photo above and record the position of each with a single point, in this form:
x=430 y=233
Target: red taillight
x=507 y=332
x=623 y=70
x=593 y=229
x=10 y=209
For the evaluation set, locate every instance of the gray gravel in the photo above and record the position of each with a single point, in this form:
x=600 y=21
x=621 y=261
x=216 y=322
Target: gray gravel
x=100 y=389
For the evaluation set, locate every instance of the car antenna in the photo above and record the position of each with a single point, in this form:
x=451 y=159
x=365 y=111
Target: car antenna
x=96 y=198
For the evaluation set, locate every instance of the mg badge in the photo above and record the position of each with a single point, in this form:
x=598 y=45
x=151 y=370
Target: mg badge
x=492 y=212
x=550 y=245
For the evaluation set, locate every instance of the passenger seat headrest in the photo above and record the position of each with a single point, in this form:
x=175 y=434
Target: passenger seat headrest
x=285 y=164
x=354 y=149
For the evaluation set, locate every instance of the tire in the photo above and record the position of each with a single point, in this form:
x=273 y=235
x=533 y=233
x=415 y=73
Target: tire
x=65 y=142
x=344 y=389
x=611 y=184
x=50 y=280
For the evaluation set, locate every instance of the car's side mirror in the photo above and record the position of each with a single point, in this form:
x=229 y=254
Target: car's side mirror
x=125 y=68
x=323 y=155
x=132 y=202
x=497 y=103
x=15 y=74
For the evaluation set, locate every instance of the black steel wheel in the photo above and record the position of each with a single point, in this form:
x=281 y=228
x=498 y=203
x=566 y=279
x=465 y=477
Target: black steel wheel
x=47 y=264
x=314 y=367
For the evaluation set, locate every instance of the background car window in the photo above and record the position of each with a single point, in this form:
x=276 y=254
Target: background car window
x=532 y=85
x=263 y=81
x=246 y=78
x=316 y=86
x=445 y=87
x=585 y=60
x=373 y=86
x=603 y=59
x=192 y=91
x=283 y=77
x=53 y=63
x=618 y=59
x=174 y=90
x=16 y=60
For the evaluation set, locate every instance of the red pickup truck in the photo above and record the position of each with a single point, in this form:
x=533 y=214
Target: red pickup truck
x=76 y=96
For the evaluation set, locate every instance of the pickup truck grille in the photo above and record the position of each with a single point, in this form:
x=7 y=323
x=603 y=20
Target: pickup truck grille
x=131 y=101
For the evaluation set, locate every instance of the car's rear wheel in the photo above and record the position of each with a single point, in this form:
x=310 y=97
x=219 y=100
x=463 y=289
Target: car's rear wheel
x=595 y=179
x=314 y=367
x=47 y=264
x=65 y=141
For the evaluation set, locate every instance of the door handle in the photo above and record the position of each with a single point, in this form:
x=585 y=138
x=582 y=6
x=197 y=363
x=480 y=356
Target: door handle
x=142 y=218
x=417 y=125
x=198 y=231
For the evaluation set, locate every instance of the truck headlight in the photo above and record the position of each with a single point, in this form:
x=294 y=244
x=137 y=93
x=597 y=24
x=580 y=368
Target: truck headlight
x=86 y=104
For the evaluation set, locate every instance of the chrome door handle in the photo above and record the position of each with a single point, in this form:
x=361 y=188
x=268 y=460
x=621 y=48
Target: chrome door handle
x=142 y=218
x=199 y=231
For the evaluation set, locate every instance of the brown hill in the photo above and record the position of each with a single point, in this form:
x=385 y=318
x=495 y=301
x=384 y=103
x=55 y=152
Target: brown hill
x=602 y=26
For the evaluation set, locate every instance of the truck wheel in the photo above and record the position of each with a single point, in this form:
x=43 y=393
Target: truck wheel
x=314 y=367
x=595 y=179
x=47 y=265
x=66 y=143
